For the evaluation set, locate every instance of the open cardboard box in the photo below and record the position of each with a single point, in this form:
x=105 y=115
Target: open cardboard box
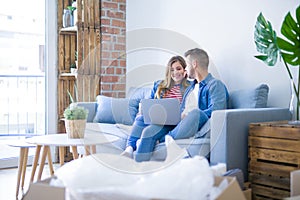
x=295 y=185
x=43 y=190
x=233 y=190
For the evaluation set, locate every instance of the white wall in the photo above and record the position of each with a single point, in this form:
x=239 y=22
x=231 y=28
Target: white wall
x=157 y=29
x=51 y=70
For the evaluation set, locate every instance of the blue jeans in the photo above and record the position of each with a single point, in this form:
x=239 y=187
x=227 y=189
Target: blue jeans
x=186 y=128
x=137 y=129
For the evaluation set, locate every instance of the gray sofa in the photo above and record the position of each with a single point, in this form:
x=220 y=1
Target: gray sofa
x=223 y=139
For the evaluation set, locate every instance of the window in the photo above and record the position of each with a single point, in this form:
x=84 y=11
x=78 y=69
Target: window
x=22 y=77
x=22 y=73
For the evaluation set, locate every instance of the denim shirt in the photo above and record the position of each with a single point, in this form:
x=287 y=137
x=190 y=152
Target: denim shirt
x=213 y=95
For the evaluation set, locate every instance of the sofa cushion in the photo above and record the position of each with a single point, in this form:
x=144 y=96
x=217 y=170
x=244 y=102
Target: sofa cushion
x=194 y=147
x=249 y=98
x=139 y=93
x=204 y=131
x=115 y=110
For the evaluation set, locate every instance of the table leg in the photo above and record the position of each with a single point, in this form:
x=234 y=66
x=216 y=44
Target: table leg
x=90 y=149
x=50 y=162
x=87 y=150
x=43 y=159
x=21 y=159
x=24 y=167
x=74 y=151
x=93 y=149
x=61 y=155
x=35 y=161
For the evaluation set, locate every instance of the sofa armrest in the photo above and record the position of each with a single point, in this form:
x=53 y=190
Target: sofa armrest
x=229 y=134
x=91 y=107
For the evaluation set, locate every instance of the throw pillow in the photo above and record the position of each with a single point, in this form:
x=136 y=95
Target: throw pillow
x=250 y=98
x=115 y=110
x=139 y=93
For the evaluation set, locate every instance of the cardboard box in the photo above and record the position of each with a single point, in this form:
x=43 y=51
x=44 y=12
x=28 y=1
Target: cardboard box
x=295 y=186
x=247 y=191
x=42 y=190
x=232 y=192
x=295 y=183
x=248 y=194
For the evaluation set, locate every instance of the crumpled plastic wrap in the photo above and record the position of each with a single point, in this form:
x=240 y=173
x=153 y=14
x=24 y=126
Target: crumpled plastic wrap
x=108 y=176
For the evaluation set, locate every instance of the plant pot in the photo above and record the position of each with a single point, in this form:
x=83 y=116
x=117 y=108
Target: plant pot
x=73 y=70
x=75 y=128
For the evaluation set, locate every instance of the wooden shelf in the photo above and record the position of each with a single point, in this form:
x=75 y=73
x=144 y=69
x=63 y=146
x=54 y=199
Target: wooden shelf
x=81 y=39
x=69 y=30
x=273 y=153
x=68 y=76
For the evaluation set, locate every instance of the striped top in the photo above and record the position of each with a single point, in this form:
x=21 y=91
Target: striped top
x=174 y=92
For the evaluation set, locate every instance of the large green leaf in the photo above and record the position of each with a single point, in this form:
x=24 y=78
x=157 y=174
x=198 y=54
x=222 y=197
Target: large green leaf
x=298 y=15
x=290 y=48
x=272 y=46
x=265 y=40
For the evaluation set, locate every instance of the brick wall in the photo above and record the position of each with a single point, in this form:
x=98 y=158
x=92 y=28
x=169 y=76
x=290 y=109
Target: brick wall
x=113 y=48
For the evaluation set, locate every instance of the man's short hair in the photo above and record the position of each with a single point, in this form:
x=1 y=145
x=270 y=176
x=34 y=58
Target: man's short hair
x=199 y=55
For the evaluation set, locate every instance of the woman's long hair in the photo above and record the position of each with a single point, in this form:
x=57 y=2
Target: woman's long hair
x=168 y=82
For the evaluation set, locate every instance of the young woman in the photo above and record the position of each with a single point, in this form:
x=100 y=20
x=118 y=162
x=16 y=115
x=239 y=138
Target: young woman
x=173 y=86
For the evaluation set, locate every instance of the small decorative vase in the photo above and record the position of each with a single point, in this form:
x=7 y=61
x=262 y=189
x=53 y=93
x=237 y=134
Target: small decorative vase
x=75 y=128
x=293 y=106
x=67 y=18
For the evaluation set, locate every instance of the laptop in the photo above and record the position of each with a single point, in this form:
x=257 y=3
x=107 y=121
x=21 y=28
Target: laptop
x=161 y=111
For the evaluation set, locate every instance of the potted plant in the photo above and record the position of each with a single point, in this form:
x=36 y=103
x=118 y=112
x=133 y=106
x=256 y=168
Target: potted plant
x=287 y=49
x=75 y=119
x=73 y=68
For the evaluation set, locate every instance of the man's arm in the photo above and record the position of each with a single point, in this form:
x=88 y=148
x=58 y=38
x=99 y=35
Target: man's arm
x=217 y=97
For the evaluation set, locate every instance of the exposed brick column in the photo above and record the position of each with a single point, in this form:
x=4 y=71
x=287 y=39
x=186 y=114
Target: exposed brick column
x=113 y=48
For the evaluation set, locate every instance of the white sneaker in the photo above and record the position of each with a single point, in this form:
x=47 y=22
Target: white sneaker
x=127 y=154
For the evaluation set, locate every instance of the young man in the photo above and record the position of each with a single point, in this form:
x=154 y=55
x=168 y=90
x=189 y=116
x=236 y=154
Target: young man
x=205 y=95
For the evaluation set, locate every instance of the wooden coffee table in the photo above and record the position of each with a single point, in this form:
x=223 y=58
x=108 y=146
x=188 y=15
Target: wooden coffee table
x=89 y=141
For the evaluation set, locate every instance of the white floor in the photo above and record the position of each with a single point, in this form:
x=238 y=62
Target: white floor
x=8 y=181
